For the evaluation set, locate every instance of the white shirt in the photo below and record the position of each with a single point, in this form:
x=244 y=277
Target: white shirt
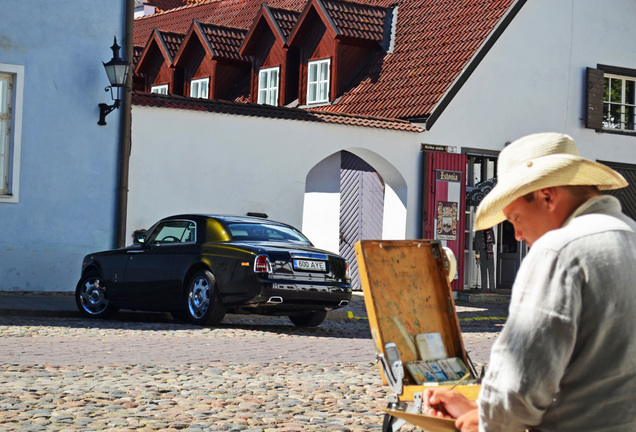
x=566 y=359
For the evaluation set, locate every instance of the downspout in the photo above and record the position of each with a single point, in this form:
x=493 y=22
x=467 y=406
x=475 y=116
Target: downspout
x=125 y=133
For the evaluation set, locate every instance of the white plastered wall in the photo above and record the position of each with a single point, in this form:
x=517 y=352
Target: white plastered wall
x=533 y=79
x=186 y=161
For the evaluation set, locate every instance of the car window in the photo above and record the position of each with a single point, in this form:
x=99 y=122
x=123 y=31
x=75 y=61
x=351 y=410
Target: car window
x=265 y=232
x=173 y=232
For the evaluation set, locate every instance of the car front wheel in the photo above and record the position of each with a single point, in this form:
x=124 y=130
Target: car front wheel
x=311 y=319
x=92 y=298
x=202 y=302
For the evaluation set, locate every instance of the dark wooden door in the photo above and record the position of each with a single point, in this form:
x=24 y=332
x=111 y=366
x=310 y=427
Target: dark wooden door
x=361 y=208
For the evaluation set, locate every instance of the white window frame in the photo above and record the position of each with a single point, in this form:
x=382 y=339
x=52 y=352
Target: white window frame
x=10 y=183
x=200 y=88
x=624 y=122
x=318 y=88
x=159 y=89
x=268 y=90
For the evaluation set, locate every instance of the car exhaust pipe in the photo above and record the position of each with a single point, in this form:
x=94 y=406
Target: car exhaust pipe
x=343 y=302
x=275 y=299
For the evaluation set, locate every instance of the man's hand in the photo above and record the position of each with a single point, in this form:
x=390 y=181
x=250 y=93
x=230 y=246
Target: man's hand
x=469 y=422
x=451 y=404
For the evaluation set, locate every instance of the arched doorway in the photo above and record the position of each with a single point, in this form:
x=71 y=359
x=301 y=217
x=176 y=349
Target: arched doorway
x=348 y=198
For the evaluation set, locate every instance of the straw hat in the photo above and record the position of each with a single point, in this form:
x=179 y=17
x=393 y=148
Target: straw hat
x=540 y=161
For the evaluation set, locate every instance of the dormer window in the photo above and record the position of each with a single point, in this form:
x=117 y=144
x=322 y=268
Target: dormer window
x=199 y=88
x=268 y=86
x=159 y=89
x=318 y=81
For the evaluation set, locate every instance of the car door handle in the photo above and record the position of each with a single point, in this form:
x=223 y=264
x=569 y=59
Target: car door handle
x=135 y=251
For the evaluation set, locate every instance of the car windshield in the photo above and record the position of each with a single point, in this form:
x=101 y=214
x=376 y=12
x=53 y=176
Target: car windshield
x=266 y=232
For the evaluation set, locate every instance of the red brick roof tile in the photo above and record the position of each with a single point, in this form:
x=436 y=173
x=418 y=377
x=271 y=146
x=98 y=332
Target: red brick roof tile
x=172 y=41
x=137 y=51
x=286 y=19
x=224 y=41
x=268 y=111
x=356 y=20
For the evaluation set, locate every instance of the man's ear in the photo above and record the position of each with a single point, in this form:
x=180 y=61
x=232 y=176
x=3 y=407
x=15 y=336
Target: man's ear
x=549 y=196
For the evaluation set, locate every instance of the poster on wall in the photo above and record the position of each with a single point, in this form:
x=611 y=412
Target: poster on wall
x=448 y=188
x=447 y=220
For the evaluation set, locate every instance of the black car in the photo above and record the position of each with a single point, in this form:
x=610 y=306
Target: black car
x=200 y=267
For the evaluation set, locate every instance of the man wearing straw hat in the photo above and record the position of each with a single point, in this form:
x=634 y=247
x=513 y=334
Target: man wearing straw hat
x=566 y=358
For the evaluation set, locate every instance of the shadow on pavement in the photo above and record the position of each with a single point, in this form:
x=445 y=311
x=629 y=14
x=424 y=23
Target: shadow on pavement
x=153 y=322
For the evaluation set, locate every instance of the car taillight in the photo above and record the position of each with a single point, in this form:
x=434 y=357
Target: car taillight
x=347 y=278
x=262 y=265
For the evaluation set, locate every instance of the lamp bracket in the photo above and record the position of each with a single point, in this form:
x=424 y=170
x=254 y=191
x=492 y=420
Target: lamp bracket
x=105 y=109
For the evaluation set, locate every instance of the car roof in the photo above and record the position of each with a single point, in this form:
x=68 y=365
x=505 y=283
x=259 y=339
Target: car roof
x=225 y=218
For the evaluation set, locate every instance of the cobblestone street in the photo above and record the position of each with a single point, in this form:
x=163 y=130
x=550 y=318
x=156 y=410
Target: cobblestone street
x=247 y=374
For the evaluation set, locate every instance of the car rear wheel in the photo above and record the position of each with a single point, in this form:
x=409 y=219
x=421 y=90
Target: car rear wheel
x=203 y=304
x=311 y=319
x=92 y=298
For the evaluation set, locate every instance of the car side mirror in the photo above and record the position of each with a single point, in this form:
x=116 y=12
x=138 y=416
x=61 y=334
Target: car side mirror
x=141 y=239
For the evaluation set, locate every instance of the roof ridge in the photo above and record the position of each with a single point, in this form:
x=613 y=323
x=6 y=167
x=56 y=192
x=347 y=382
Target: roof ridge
x=187 y=6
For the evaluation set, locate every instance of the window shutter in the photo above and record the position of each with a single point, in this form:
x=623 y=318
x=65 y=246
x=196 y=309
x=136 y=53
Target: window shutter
x=594 y=99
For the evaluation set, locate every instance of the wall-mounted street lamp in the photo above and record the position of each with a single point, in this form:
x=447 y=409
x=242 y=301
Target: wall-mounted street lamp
x=117 y=71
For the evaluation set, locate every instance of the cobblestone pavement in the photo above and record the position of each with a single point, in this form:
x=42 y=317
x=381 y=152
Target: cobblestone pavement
x=247 y=374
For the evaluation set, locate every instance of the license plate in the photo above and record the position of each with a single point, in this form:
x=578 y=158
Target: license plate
x=308 y=265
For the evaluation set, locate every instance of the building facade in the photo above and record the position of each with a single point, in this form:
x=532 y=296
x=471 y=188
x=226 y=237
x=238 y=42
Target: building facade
x=59 y=169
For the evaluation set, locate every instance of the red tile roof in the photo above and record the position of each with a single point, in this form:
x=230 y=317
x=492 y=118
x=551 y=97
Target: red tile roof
x=230 y=13
x=356 y=20
x=435 y=41
x=172 y=42
x=167 y=42
x=268 y=111
x=137 y=52
x=286 y=19
x=224 y=41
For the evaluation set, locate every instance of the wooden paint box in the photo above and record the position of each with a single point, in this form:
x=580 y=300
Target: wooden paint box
x=407 y=293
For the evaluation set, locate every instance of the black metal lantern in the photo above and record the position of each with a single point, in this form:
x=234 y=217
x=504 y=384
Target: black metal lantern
x=117 y=72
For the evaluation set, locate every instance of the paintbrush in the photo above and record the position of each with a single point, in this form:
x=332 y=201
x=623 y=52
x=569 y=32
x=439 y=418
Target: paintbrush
x=460 y=381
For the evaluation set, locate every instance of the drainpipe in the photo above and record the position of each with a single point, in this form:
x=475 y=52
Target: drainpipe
x=124 y=133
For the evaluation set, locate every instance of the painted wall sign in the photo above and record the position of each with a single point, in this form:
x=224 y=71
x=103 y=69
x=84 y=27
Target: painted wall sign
x=450 y=176
x=446 y=228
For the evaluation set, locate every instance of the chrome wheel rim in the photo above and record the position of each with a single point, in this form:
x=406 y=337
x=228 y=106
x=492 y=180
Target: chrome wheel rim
x=93 y=296
x=199 y=297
